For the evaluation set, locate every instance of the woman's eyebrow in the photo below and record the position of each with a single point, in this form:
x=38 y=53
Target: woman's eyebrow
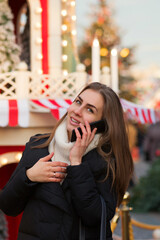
x=80 y=98
x=88 y=104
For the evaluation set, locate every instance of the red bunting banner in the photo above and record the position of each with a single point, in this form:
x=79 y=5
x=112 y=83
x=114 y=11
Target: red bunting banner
x=139 y=113
x=16 y=112
x=57 y=107
x=134 y=111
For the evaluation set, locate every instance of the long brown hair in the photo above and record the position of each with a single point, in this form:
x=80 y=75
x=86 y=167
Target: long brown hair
x=114 y=138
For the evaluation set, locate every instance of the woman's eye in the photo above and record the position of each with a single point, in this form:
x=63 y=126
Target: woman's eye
x=78 y=101
x=90 y=110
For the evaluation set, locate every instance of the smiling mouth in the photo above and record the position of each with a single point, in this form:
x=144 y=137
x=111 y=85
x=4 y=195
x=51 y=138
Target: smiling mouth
x=74 y=121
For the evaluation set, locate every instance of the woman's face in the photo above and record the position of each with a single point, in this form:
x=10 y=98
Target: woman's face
x=88 y=106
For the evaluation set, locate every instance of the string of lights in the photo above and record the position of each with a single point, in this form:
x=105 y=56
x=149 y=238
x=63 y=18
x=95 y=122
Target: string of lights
x=68 y=13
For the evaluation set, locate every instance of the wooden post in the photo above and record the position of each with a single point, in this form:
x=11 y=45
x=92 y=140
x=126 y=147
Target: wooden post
x=81 y=79
x=22 y=81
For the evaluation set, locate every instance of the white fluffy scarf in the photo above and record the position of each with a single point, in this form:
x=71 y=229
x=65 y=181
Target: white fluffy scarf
x=61 y=147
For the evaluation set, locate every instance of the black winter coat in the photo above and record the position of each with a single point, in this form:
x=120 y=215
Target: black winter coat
x=51 y=211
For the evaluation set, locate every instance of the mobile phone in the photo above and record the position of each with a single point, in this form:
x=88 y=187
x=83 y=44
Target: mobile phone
x=100 y=125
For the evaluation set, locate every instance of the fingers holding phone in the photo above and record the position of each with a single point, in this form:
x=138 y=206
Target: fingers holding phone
x=87 y=134
x=101 y=126
x=90 y=133
x=83 y=139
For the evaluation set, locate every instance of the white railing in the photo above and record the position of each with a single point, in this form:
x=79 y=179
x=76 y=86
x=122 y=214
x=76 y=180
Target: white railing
x=26 y=84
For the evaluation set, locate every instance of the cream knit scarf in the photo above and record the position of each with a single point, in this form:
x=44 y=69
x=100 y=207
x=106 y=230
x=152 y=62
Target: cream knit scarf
x=61 y=147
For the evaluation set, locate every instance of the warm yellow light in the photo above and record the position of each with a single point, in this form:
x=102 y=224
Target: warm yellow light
x=39 y=56
x=38 y=25
x=39 y=10
x=4 y=161
x=18 y=157
x=73 y=3
x=103 y=52
x=74 y=32
x=64 y=43
x=124 y=52
x=64 y=27
x=64 y=58
x=74 y=18
x=99 y=32
x=38 y=40
x=65 y=72
x=64 y=12
x=64 y=0
x=40 y=71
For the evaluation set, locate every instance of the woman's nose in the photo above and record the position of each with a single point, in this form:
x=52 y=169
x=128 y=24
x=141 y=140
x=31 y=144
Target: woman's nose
x=78 y=111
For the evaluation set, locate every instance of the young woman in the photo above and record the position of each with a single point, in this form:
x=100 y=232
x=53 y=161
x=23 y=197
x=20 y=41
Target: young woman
x=59 y=182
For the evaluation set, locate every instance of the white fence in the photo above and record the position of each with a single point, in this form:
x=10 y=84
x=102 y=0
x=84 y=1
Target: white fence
x=26 y=84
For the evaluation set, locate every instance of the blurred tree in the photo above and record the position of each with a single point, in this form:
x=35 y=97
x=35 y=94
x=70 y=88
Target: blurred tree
x=103 y=27
x=145 y=196
x=9 y=50
x=24 y=36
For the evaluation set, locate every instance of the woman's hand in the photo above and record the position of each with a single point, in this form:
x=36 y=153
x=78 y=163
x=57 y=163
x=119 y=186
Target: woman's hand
x=47 y=171
x=81 y=143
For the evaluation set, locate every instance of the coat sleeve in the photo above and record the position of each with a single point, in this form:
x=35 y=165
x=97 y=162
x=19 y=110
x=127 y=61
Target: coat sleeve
x=86 y=191
x=15 y=194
